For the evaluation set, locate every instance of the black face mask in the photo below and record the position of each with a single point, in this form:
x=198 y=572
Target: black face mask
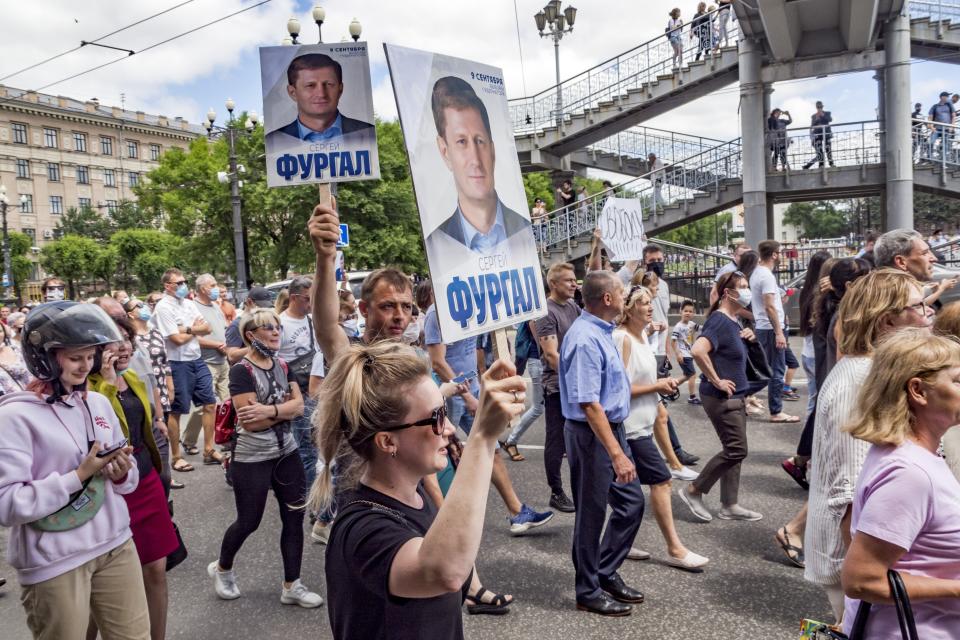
x=656 y=267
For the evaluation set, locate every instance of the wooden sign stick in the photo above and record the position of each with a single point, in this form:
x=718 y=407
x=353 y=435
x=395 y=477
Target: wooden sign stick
x=501 y=349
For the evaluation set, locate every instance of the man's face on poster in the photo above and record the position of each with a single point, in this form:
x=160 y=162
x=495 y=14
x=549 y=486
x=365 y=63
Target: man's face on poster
x=317 y=93
x=468 y=152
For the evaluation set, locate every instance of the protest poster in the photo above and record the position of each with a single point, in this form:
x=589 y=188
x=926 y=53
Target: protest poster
x=466 y=176
x=318 y=114
x=621 y=228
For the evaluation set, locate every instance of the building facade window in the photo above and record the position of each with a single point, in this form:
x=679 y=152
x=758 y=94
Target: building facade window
x=133 y=149
x=155 y=152
x=30 y=233
x=50 y=138
x=80 y=142
x=84 y=203
x=53 y=172
x=19 y=133
x=134 y=178
x=56 y=204
x=83 y=175
x=106 y=146
x=111 y=206
x=23 y=168
x=26 y=205
x=109 y=178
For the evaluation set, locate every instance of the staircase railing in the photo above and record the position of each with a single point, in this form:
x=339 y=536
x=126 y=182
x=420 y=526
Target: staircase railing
x=612 y=78
x=669 y=146
x=937 y=144
x=936 y=10
x=846 y=144
x=656 y=190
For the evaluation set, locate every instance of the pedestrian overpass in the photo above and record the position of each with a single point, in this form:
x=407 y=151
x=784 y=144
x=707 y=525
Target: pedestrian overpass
x=593 y=120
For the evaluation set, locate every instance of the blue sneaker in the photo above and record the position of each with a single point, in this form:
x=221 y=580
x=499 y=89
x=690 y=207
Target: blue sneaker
x=528 y=519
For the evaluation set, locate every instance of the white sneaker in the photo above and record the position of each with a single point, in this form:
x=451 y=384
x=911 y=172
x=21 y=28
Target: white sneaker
x=224 y=582
x=299 y=594
x=684 y=473
x=736 y=512
x=690 y=562
x=695 y=504
x=637 y=554
x=320 y=533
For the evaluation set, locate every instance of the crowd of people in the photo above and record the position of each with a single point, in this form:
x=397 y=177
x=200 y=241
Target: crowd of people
x=357 y=431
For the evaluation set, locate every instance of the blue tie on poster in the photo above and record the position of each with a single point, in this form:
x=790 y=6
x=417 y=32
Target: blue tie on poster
x=344 y=240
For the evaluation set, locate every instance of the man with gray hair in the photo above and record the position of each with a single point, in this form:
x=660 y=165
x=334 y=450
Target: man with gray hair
x=595 y=399
x=213 y=351
x=906 y=250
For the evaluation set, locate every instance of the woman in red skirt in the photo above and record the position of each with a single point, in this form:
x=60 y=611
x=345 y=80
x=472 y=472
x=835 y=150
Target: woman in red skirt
x=153 y=532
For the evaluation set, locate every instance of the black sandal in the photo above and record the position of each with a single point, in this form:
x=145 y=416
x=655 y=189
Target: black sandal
x=794 y=554
x=498 y=606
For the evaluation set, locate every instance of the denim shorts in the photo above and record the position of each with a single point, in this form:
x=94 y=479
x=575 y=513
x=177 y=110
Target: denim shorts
x=191 y=381
x=686 y=365
x=651 y=469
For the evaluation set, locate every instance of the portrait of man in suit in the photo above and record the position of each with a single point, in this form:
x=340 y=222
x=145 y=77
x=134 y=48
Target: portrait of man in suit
x=481 y=221
x=315 y=84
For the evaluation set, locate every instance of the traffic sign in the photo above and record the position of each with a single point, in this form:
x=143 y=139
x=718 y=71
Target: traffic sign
x=344 y=240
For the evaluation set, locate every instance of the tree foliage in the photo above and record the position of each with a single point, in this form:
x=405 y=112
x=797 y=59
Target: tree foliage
x=144 y=254
x=72 y=258
x=819 y=219
x=702 y=233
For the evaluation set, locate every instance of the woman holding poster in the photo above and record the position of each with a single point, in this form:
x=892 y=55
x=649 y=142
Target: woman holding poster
x=396 y=566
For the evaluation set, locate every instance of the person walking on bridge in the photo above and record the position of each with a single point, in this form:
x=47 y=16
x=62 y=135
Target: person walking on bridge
x=777 y=131
x=821 y=136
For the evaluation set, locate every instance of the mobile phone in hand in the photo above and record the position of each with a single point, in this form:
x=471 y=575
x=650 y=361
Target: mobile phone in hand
x=103 y=453
x=464 y=377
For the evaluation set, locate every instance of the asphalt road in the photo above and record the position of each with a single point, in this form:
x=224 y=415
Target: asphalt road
x=747 y=590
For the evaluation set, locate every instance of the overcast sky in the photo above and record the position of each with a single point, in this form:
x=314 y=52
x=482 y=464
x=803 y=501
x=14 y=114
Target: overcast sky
x=187 y=76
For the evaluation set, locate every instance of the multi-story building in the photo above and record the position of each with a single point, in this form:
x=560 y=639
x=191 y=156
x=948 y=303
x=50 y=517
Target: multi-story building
x=62 y=153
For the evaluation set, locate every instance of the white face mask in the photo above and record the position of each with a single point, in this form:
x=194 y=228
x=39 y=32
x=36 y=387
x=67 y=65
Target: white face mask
x=412 y=333
x=744 y=297
x=54 y=295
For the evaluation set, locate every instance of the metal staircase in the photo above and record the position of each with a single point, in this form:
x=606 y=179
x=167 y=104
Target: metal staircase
x=636 y=85
x=935 y=30
x=711 y=181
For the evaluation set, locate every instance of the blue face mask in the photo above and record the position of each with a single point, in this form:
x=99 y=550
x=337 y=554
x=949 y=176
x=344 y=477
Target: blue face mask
x=214 y=293
x=182 y=291
x=143 y=313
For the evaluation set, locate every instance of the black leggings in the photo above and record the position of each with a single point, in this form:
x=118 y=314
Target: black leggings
x=251 y=480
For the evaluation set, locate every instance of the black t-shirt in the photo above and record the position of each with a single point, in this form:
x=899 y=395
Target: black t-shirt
x=363 y=543
x=727 y=353
x=136 y=418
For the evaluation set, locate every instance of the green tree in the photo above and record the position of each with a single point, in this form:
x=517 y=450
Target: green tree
x=819 y=219
x=702 y=233
x=86 y=222
x=72 y=258
x=21 y=266
x=539 y=185
x=143 y=254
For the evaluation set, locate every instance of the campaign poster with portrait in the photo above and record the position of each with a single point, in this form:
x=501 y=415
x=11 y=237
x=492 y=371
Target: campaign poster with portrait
x=318 y=114
x=466 y=176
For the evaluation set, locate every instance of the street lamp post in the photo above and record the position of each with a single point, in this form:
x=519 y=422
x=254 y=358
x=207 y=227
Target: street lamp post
x=231 y=132
x=7 y=276
x=319 y=15
x=556 y=23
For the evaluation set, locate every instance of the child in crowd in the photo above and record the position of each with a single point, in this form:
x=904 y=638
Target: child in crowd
x=683 y=335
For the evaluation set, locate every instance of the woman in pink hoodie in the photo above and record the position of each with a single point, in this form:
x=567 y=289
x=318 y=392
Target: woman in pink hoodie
x=70 y=528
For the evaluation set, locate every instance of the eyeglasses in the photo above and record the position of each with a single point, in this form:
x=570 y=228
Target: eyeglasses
x=269 y=327
x=437 y=420
x=179 y=282
x=920 y=308
x=58 y=287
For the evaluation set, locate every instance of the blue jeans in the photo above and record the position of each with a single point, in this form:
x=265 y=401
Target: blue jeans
x=776 y=359
x=302 y=429
x=535 y=369
x=458 y=415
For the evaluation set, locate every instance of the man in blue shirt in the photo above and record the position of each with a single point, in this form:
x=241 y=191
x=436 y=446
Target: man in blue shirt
x=460 y=358
x=595 y=398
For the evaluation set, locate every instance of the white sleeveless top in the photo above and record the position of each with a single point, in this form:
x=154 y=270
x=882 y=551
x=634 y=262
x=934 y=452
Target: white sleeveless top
x=641 y=369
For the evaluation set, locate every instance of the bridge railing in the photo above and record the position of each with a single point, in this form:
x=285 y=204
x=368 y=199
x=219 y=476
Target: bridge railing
x=669 y=146
x=936 y=10
x=656 y=190
x=612 y=78
x=846 y=144
x=936 y=143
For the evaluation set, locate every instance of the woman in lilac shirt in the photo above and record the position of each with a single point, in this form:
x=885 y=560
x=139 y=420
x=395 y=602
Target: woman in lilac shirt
x=906 y=514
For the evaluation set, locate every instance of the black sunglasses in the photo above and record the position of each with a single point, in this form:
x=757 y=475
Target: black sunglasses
x=437 y=420
x=179 y=282
x=268 y=327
